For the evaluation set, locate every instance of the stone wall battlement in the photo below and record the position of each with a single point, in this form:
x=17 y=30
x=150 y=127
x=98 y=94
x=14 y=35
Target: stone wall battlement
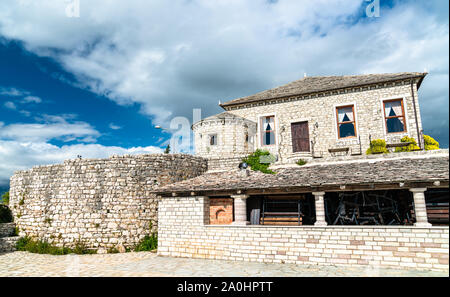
x=101 y=203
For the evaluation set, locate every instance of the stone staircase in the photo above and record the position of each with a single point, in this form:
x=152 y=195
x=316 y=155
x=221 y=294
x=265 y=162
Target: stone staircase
x=8 y=239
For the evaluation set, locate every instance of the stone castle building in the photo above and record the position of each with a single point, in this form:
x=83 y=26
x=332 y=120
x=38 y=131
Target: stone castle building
x=315 y=117
x=342 y=208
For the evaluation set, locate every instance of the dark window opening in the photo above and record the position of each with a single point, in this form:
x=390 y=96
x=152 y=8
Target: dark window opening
x=437 y=201
x=346 y=121
x=394 y=114
x=213 y=139
x=268 y=130
x=390 y=207
x=281 y=210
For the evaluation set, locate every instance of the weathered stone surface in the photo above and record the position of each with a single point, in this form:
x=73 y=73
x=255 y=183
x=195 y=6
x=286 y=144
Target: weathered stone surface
x=99 y=202
x=7 y=229
x=317 y=107
x=8 y=244
x=184 y=231
x=406 y=167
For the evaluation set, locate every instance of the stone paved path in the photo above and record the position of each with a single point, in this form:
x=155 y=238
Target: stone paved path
x=149 y=264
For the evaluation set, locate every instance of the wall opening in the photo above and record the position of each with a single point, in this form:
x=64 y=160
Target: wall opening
x=285 y=210
x=388 y=207
x=220 y=210
x=437 y=201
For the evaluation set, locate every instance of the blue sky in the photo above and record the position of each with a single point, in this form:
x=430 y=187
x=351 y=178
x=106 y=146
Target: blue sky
x=96 y=84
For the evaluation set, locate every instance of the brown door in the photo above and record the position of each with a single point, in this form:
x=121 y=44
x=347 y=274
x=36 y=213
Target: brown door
x=300 y=137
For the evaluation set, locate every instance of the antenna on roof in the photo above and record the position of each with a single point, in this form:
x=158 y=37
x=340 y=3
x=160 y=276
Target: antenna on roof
x=304 y=74
x=220 y=102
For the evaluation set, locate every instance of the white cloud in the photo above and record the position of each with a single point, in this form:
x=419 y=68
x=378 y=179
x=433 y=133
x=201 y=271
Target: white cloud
x=31 y=99
x=38 y=132
x=16 y=155
x=10 y=105
x=23 y=145
x=114 y=126
x=172 y=57
x=12 y=92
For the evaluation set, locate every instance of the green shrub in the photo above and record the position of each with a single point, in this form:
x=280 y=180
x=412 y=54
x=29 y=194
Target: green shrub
x=254 y=161
x=301 y=162
x=148 y=243
x=412 y=147
x=377 y=146
x=5 y=198
x=5 y=214
x=81 y=249
x=430 y=143
x=42 y=247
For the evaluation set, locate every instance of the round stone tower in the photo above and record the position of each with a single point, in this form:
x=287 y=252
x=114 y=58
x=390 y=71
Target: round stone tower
x=224 y=136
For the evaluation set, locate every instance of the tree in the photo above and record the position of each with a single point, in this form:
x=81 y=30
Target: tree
x=5 y=198
x=167 y=150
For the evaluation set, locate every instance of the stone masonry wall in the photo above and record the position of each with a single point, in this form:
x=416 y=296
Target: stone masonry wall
x=7 y=229
x=183 y=232
x=103 y=203
x=234 y=138
x=322 y=110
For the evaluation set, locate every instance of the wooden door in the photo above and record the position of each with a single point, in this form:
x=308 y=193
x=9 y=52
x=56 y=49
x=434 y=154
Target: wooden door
x=300 y=137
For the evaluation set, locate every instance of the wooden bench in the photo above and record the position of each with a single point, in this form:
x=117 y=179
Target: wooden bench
x=339 y=149
x=398 y=144
x=281 y=218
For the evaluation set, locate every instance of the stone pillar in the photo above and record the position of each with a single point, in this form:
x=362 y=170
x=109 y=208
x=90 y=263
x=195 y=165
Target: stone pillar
x=240 y=210
x=420 y=208
x=320 y=209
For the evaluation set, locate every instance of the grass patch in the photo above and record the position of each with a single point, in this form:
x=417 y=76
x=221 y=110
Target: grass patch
x=42 y=247
x=148 y=243
x=301 y=162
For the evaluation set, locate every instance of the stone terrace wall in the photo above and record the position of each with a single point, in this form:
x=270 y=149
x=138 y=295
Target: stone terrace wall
x=7 y=229
x=100 y=202
x=182 y=233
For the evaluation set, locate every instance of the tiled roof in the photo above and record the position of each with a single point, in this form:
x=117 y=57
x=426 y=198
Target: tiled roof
x=315 y=84
x=375 y=171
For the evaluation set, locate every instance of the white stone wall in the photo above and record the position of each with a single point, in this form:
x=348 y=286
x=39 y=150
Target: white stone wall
x=322 y=110
x=231 y=138
x=183 y=231
x=101 y=203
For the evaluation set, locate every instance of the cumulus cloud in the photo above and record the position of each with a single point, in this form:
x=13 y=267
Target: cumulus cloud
x=31 y=99
x=12 y=92
x=114 y=126
x=172 y=57
x=16 y=155
x=10 y=105
x=58 y=129
x=25 y=145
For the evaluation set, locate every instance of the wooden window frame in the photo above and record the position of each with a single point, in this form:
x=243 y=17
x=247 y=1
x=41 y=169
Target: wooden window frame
x=263 y=132
x=405 y=129
x=348 y=122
